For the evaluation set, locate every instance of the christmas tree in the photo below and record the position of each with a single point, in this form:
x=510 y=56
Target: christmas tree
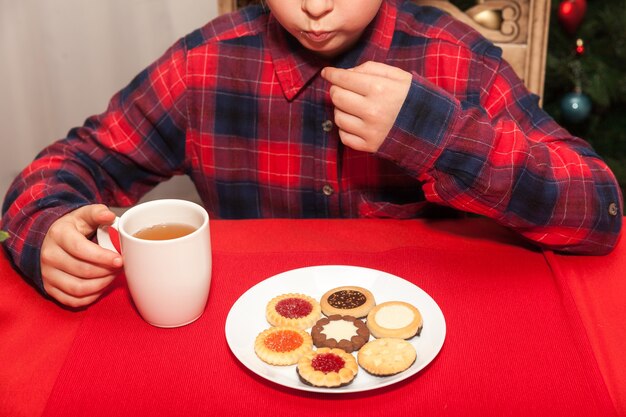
x=585 y=84
x=590 y=57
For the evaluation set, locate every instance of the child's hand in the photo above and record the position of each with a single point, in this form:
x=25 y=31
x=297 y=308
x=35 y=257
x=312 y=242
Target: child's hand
x=76 y=271
x=367 y=101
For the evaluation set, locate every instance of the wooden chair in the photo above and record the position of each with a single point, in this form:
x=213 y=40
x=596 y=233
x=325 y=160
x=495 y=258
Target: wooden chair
x=519 y=27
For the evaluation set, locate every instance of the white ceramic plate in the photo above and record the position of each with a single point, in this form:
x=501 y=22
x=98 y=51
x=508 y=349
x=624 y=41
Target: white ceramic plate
x=246 y=320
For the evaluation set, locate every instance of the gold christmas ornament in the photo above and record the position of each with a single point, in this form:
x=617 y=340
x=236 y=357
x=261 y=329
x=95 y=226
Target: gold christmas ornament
x=490 y=19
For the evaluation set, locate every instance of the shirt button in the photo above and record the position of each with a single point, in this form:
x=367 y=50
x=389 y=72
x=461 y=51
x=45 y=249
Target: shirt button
x=327 y=190
x=613 y=209
x=327 y=126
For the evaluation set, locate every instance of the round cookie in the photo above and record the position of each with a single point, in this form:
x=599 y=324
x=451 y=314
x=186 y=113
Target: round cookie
x=282 y=345
x=394 y=319
x=348 y=300
x=326 y=367
x=344 y=332
x=386 y=356
x=294 y=310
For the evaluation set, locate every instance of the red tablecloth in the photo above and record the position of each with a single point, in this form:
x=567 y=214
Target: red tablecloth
x=525 y=334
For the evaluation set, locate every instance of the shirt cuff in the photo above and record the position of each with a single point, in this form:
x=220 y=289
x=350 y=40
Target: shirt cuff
x=422 y=127
x=29 y=260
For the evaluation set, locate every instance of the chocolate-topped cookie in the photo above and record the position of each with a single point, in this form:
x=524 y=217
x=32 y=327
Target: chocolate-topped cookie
x=349 y=301
x=343 y=332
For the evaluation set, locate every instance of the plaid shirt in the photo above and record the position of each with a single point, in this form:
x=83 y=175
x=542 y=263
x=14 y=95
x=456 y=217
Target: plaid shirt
x=240 y=107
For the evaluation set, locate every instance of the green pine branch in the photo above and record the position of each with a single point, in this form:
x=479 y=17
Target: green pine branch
x=602 y=78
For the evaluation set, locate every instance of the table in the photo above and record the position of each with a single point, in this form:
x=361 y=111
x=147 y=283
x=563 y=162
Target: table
x=528 y=332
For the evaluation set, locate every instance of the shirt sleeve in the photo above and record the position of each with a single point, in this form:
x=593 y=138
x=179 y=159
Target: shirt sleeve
x=505 y=158
x=114 y=158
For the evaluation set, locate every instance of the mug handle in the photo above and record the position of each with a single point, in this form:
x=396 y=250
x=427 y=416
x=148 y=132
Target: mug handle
x=108 y=237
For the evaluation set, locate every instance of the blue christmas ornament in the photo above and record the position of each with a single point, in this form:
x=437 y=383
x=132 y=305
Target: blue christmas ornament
x=576 y=107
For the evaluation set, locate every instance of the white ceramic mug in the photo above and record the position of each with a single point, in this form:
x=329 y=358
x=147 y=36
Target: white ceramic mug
x=169 y=280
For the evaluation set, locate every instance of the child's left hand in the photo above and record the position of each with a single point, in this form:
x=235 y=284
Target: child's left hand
x=367 y=101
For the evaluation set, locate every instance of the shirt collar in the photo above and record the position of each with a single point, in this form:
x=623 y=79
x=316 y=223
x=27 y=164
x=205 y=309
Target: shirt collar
x=295 y=66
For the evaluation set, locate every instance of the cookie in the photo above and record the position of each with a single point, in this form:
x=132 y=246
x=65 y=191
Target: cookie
x=293 y=310
x=394 y=319
x=386 y=356
x=326 y=367
x=282 y=345
x=348 y=301
x=344 y=332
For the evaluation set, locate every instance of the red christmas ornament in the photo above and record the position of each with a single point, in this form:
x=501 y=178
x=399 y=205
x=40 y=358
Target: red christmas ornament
x=580 y=47
x=571 y=14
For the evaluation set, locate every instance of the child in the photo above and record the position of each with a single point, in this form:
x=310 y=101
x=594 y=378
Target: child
x=315 y=108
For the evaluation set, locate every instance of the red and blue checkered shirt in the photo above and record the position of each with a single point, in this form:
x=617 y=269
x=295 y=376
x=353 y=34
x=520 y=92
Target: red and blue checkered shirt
x=240 y=107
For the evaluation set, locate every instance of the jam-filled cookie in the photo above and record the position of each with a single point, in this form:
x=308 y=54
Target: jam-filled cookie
x=282 y=345
x=394 y=319
x=294 y=310
x=343 y=332
x=327 y=367
x=386 y=356
x=349 y=301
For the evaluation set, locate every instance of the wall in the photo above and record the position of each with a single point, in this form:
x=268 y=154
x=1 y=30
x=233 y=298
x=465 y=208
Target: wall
x=62 y=60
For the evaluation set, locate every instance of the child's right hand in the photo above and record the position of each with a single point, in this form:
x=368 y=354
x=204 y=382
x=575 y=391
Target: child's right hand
x=367 y=100
x=76 y=271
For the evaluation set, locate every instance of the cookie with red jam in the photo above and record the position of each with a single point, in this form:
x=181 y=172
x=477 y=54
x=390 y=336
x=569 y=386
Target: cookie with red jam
x=343 y=332
x=348 y=301
x=326 y=367
x=294 y=310
x=282 y=345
